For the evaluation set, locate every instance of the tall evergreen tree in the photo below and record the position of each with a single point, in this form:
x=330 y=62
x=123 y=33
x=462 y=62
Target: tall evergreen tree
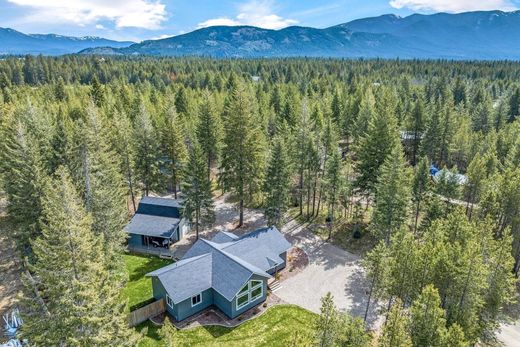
x=243 y=154
x=373 y=149
x=395 y=329
x=326 y=326
x=427 y=322
x=277 y=184
x=392 y=195
x=82 y=306
x=334 y=182
x=175 y=148
x=146 y=151
x=420 y=187
x=209 y=131
x=198 y=199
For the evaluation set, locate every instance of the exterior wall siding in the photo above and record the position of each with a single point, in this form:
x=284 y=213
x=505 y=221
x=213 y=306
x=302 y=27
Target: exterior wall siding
x=135 y=240
x=184 y=309
x=280 y=266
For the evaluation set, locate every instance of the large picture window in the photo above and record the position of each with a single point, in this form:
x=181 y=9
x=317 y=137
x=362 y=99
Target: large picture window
x=252 y=291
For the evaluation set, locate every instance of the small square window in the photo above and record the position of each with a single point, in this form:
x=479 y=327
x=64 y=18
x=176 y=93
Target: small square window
x=169 y=301
x=195 y=300
x=256 y=293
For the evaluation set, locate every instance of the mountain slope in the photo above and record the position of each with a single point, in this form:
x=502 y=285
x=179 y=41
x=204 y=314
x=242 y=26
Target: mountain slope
x=15 y=42
x=471 y=35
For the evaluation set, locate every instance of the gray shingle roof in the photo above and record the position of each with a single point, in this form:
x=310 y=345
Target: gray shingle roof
x=223 y=266
x=186 y=277
x=144 y=224
x=160 y=201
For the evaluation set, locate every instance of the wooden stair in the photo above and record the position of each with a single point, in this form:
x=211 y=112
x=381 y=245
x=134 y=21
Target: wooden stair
x=274 y=286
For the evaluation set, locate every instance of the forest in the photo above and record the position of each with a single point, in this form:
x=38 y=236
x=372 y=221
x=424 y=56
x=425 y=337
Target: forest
x=350 y=144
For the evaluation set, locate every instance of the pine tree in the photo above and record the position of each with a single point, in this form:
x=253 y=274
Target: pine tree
x=392 y=195
x=96 y=92
x=169 y=334
x=101 y=184
x=376 y=273
x=146 y=151
x=209 y=131
x=420 y=187
x=373 y=149
x=22 y=171
x=395 y=329
x=334 y=182
x=277 y=184
x=198 y=199
x=427 y=321
x=302 y=142
x=352 y=333
x=123 y=145
x=175 y=148
x=455 y=337
x=82 y=306
x=417 y=123
x=326 y=326
x=243 y=159
x=476 y=175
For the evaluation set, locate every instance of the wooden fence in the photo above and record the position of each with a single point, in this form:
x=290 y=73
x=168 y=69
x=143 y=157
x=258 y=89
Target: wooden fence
x=141 y=314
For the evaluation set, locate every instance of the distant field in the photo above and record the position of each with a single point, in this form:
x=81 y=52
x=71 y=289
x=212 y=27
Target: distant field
x=139 y=287
x=277 y=327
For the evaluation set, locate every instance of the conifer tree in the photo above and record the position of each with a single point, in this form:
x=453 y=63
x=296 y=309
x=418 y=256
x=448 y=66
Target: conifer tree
x=82 y=305
x=392 y=195
x=476 y=175
x=376 y=273
x=303 y=134
x=22 y=177
x=123 y=145
x=277 y=184
x=96 y=92
x=146 y=151
x=334 y=182
x=455 y=337
x=395 y=330
x=198 y=199
x=373 y=149
x=243 y=156
x=352 y=333
x=420 y=187
x=101 y=183
x=175 y=148
x=427 y=321
x=327 y=324
x=209 y=131
x=169 y=334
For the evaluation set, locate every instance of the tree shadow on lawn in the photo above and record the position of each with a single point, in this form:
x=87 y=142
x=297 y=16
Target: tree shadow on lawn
x=146 y=265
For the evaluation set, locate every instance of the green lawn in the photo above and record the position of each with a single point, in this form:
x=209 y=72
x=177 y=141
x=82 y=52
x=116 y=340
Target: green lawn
x=274 y=328
x=139 y=288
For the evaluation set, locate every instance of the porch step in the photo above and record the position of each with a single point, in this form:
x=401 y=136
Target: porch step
x=274 y=286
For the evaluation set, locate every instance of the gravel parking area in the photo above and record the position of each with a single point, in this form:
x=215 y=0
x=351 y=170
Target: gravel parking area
x=330 y=269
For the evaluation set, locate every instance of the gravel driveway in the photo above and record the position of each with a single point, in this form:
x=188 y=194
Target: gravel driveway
x=330 y=269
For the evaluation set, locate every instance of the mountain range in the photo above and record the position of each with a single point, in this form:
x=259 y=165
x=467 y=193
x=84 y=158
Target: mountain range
x=485 y=35
x=15 y=43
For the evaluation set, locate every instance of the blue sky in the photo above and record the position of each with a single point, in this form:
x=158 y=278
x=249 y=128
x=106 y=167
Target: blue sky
x=146 y=19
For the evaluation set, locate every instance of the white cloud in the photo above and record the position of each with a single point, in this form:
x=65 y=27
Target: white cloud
x=453 y=5
x=147 y=14
x=100 y=26
x=259 y=13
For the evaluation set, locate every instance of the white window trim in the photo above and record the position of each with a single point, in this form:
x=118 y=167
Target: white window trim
x=249 y=292
x=198 y=303
x=168 y=300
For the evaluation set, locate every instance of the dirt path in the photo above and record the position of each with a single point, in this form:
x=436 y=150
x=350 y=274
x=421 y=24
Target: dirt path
x=10 y=265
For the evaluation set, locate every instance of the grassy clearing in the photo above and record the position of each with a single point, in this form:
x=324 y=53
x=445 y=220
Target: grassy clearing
x=139 y=287
x=276 y=327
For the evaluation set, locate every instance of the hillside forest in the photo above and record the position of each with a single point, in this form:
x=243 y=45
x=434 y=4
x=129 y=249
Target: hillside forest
x=345 y=143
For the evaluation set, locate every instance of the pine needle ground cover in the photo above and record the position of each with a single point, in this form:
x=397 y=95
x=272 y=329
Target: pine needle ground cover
x=138 y=290
x=277 y=327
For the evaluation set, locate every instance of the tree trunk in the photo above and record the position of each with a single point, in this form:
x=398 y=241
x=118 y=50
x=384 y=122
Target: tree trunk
x=417 y=208
x=301 y=193
x=372 y=285
x=241 y=213
x=197 y=216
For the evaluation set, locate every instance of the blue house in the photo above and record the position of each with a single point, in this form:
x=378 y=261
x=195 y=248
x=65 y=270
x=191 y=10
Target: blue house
x=157 y=223
x=228 y=272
